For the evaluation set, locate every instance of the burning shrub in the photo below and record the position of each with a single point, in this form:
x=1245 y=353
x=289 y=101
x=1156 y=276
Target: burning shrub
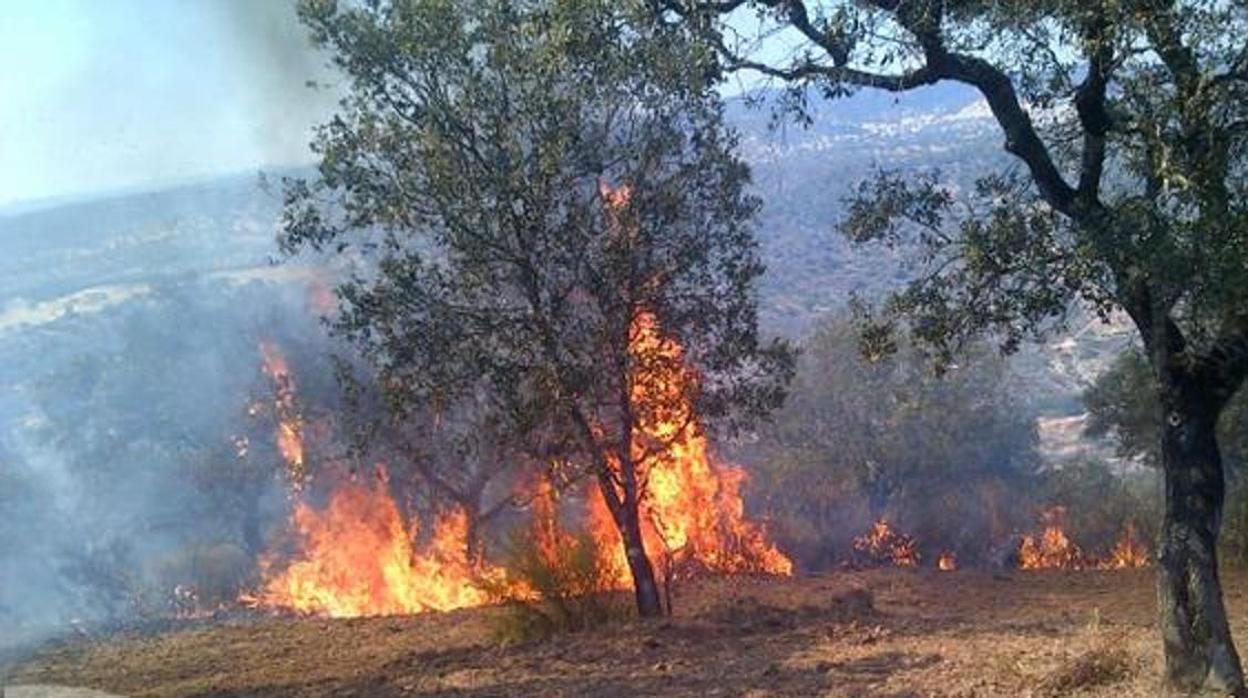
x=883 y=545
x=358 y=556
x=1099 y=504
x=564 y=587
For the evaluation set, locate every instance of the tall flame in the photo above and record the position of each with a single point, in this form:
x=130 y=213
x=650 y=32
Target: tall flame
x=691 y=507
x=289 y=431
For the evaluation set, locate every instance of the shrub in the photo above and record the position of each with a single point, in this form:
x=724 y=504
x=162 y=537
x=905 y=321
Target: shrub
x=1100 y=666
x=557 y=588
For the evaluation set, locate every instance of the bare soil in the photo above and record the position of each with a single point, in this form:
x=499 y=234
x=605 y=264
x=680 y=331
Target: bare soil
x=852 y=633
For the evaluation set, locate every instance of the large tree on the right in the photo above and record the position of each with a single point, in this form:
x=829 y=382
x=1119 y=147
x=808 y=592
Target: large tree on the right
x=1130 y=121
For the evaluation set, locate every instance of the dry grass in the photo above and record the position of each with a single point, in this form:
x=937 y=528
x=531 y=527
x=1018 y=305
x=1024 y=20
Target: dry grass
x=877 y=633
x=1097 y=667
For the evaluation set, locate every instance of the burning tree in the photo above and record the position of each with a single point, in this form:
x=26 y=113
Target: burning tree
x=533 y=187
x=1130 y=123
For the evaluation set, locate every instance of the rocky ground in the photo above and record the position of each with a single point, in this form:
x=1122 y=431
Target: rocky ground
x=852 y=633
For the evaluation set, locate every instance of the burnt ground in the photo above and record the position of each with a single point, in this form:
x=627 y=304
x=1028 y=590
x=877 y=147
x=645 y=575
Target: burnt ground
x=913 y=633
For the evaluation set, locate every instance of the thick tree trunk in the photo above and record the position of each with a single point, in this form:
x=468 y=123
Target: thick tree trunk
x=645 y=588
x=1199 y=650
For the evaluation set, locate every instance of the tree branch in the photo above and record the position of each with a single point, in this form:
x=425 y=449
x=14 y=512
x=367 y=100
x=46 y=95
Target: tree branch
x=1093 y=115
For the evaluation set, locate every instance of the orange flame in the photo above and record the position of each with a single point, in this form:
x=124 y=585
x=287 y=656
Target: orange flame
x=1053 y=549
x=884 y=545
x=947 y=562
x=358 y=558
x=692 y=511
x=691 y=508
x=1050 y=550
x=1128 y=552
x=289 y=432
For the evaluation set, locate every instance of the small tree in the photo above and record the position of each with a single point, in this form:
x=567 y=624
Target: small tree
x=460 y=452
x=1133 y=197
x=932 y=453
x=530 y=184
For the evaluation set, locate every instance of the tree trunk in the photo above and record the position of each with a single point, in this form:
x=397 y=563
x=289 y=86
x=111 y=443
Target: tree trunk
x=1199 y=650
x=645 y=588
x=472 y=536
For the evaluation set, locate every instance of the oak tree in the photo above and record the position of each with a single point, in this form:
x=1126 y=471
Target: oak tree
x=1129 y=119
x=527 y=185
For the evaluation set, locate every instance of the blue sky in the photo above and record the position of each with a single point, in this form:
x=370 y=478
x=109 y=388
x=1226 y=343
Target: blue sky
x=100 y=95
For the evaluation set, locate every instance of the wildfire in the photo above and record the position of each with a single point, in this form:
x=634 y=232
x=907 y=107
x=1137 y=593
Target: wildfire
x=358 y=558
x=947 y=562
x=289 y=423
x=691 y=508
x=1053 y=549
x=1050 y=550
x=1129 y=551
x=884 y=545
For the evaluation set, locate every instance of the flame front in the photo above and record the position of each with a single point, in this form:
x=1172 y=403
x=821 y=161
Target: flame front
x=947 y=562
x=1053 y=549
x=358 y=558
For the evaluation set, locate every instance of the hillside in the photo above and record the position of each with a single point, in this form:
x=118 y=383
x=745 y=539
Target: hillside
x=190 y=270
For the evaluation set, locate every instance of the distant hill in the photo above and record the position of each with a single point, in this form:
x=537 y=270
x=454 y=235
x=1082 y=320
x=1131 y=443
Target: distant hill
x=67 y=266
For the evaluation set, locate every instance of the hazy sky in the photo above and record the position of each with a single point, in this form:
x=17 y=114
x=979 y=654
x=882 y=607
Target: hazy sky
x=98 y=95
x=102 y=95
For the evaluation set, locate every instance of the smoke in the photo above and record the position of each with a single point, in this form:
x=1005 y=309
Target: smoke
x=290 y=85
x=141 y=93
x=120 y=422
x=128 y=325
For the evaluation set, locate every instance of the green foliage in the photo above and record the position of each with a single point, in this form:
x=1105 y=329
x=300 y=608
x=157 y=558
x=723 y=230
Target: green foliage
x=1124 y=402
x=1128 y=120
x=1099 y=503
x=521 y=184
x=576 y=590
x=940 y=455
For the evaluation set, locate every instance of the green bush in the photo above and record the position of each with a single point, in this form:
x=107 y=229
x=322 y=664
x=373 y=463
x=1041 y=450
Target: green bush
x=1100 y=503
x=575 y=590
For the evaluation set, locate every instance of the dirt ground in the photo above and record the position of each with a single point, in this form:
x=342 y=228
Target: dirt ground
x=912 y=633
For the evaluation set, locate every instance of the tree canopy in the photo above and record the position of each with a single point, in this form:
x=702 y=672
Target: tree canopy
x=1129 y=122
x=532 y=188
x=858 y=440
